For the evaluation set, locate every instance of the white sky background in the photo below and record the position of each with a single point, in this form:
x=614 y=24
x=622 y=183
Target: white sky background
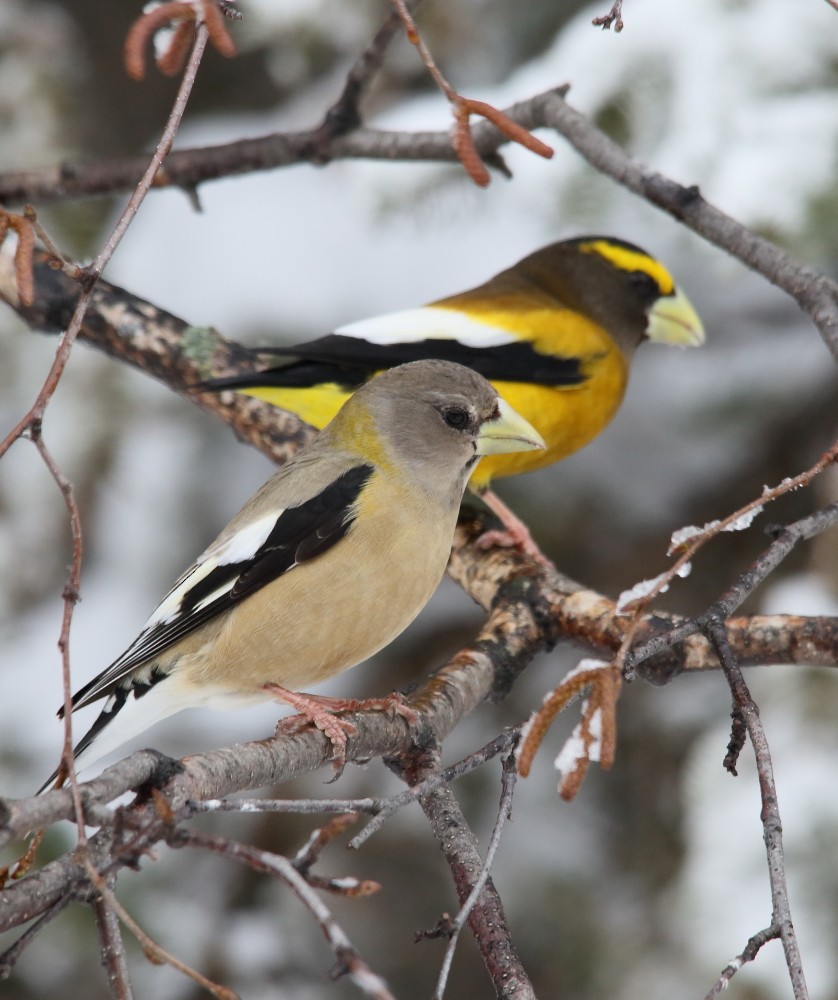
x=737 y=97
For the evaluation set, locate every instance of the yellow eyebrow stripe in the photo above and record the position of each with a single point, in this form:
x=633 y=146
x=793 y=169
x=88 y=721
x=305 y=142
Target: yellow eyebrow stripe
x=631 y=260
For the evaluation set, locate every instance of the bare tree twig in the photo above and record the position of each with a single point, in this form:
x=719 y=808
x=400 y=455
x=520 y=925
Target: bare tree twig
x=785 y=541
x=188 y=168
x=770 y=815
x=508 y=777
x=382 y=809
x=688 y=541
x=614 y=16
x=309 y=854
x=501 y=744
x=486 y=918
x=10 y=956
x=112 y=950
x=349 y=962
x=748 y=954
x=345 y=114
x=154 y=951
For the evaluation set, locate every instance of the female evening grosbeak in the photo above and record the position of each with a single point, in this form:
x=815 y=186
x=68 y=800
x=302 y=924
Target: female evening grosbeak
x=333 y=557
x=555 y=334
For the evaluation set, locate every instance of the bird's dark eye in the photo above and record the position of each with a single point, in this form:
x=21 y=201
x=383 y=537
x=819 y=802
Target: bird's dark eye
x=455 y=417
x=644 y=284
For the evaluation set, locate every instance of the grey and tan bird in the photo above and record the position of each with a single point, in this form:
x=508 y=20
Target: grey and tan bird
x=330 y=560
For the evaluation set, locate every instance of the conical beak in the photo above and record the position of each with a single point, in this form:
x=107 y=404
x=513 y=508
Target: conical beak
x=673 y=320
x=507 y=432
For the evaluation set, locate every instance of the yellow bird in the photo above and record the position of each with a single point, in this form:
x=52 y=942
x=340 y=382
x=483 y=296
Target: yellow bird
x=331 y=559
x=555 y=334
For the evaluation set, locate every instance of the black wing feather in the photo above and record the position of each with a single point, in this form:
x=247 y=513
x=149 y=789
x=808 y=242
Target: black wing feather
x=299 y=535
x=350 y=361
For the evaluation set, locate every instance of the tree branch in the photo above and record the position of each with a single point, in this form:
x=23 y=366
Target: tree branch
x=770 y=815
x=816 y=294
x=458 y=844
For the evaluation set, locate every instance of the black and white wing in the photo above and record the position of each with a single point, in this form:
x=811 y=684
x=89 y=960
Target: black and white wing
x=235 y=567
x=355 y=352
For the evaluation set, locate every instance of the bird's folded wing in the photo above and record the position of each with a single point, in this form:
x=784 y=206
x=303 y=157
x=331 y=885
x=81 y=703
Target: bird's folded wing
x=357 y=351
x=236 y=566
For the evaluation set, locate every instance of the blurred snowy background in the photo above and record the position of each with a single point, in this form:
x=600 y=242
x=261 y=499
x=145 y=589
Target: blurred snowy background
x=654 y=878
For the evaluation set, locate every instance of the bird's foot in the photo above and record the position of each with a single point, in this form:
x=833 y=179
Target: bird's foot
x=393 y=704
x=323 y=711
x=514 y=534
x=512 y=540
x=312 y=710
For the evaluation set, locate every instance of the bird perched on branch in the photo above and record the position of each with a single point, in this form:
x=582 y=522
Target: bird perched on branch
x=555 y=334
x=331 y=559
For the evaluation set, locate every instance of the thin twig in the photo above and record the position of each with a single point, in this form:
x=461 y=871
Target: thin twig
x=508 y=778
x=415 y=39
x=13 y=953
x=304 y=806
x=463 y=107
x=689 y=546
x=154 y=951
x=458 y=844
x=112 y=950
x=772 y=827
x=309 y=854
x=349 y=962
x=381 y=809
x=345 y=114
x=70 y=597
x=614 y=16
x=748 y=954
x=784 y=542
x=500 y=744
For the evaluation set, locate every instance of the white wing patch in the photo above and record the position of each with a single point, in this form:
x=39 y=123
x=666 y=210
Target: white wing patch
x=236 y=548
x=410 y=326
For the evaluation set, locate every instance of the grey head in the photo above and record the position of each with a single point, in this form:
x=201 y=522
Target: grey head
x=432 y=420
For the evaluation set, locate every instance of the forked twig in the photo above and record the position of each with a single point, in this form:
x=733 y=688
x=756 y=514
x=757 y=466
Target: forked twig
x=508 y=777
x=770 y=813
x=463 y=107
x=614 y=16
x=748 y=954
x=349 y=962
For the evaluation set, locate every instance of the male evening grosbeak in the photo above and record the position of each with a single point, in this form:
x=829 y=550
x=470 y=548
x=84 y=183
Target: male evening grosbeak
x=555 y=335
x=333 y=557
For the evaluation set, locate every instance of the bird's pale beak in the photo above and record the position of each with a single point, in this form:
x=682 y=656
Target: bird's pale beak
x=673 y=320
x=507 y=432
